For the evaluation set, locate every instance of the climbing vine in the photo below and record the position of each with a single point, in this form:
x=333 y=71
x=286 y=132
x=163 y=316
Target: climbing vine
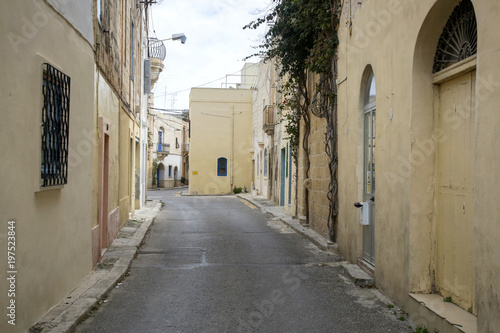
x=303 y=38
x=153 y=171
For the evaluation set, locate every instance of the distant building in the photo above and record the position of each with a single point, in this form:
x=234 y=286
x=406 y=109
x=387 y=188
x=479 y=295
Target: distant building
x=272 y=163
x=220 y=141
x=169 y=150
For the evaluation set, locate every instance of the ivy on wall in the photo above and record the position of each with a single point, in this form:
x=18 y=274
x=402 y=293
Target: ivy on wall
x=303 y=38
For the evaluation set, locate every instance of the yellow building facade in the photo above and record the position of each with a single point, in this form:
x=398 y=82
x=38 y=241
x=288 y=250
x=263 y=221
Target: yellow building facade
x=47 y=90
x=120 y=99
x=272 y=163
x=418 y=92
x=220 y=140
x=73 y=82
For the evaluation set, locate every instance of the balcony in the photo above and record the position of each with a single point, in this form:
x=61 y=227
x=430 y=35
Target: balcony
x=163 y=149
x=156 y=53
x=269 y=120
x=185 y=148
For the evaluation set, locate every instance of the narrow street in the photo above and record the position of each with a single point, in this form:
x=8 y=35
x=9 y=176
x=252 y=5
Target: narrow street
x=218 y=264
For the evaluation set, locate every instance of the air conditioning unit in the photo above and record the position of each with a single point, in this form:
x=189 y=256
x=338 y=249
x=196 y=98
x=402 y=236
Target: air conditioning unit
x=147 y=76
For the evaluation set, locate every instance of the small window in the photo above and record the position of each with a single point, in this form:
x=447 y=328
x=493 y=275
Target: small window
x=221 y=166
x=160 y=136
x=169 y=171
x=160 y=139
x=55 y=127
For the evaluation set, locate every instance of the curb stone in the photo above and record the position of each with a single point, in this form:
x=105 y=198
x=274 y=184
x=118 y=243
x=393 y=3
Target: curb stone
x=359 y=277
x=64 y=317
x=294 y=223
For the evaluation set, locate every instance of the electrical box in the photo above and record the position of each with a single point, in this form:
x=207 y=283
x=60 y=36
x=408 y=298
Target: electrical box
x=365 y=213
x=147 y=76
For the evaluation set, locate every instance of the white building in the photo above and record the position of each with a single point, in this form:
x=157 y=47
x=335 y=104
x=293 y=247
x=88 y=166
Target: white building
x=169 y=136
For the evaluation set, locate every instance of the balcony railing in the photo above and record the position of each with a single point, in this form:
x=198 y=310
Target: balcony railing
x=269 y=120
x=163 y=148
x=156 y=49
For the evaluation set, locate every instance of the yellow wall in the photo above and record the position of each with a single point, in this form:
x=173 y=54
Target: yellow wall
x=127 y=156
x=53 y=233
x=108 y=107
x=486 y=210
x=220 y=127
x=399 y=42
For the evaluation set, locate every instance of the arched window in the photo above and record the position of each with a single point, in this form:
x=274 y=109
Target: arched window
x=265 y=162
x=369 y=110
x=222 y=166
x=459 y=38
x=369 y=134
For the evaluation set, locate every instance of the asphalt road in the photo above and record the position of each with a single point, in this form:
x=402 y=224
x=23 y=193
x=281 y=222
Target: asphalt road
x=218 y=264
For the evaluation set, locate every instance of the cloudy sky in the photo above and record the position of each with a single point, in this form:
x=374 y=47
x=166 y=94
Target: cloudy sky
x=216 y=44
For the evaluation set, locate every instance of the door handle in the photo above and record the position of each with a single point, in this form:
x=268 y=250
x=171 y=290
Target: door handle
x=358 y=205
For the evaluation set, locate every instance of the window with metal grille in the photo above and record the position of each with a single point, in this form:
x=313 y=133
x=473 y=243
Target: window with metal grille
x=55 y=126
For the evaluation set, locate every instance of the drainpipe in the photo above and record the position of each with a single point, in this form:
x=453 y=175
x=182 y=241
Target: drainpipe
x=232 y=147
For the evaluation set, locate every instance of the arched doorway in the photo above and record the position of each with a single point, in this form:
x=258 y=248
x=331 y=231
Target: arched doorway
x=160 y=176
x=454 y=112
x=176 y=176
x=369 y=94
x=443 y=127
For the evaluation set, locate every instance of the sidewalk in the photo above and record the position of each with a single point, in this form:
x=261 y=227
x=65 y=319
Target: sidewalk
x=359 y=277
x=113 y=266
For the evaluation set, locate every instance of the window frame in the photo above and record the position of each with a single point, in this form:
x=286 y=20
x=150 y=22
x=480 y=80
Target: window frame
x=220 y=166
x=54 y=127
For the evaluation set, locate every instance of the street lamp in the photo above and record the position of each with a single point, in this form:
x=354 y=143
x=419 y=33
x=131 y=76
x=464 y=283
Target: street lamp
x=182 y=37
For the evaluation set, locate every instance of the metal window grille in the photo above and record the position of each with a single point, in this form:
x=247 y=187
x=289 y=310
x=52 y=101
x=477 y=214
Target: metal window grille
x=459 y=38
x=55 y=126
